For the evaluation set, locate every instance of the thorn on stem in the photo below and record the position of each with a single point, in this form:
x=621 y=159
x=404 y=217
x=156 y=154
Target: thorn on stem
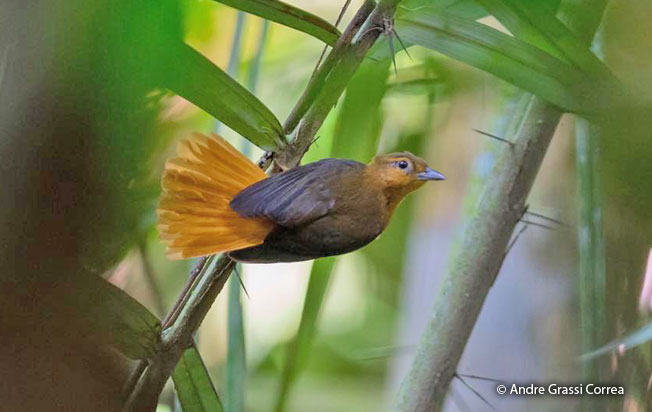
x=474 y=391
x=387 y=28
x=459 y=400
x=314 y=141
x=549 y=219
x=391 y=52
x=541 y=225
x=323 y=52
x=493 y=136
x=237 y=273
x=481 y=378
x=513 y=242
x=402 y=45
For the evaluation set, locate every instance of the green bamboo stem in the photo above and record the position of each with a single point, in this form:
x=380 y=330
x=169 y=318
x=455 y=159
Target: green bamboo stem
x=234 y=56
x=254 y=71
x=150 y=278
x=350 y=56
x=318 y=78
x=476 y=262
x=590 y=242
x=297 y=352
x=590 y=238
x=236 y=363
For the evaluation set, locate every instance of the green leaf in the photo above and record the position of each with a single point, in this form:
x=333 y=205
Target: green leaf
x=470 y=9
x=430 y=78
x=299 y=347
x=538 y=25
x=197 y=79
x=290 y=16
x=357 y=126
x=123 y=321
x=193 y=384
x=512 y=60
x=641 y=336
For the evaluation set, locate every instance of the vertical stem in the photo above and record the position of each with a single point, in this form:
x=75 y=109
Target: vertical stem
x=476 y=261
x=592 y=276
x=236 y=363
x=236 y=366
x=583 y=18
x=151 y=278
x=234 y=57
x=297 y=349
x=254 y=71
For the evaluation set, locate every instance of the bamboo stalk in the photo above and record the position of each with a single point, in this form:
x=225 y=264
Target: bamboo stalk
x=296 y=355
x=234 y=57
x=590 y=235
x=590 y=243
x=236 y=363
x=476 y=263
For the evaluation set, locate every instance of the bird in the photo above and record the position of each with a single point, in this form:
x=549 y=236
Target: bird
x=215 y=200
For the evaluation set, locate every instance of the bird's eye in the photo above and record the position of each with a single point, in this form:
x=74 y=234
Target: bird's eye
x=403 y=164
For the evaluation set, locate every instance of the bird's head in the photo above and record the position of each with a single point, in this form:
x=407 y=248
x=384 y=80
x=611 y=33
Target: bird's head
x=401 y=173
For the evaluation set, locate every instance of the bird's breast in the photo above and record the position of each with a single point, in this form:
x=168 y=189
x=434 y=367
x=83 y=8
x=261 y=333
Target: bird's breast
x=356 y=218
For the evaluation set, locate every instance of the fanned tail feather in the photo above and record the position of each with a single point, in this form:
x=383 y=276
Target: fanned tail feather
x=194 y=217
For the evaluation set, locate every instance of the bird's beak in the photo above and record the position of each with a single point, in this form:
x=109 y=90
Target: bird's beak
x=430 y=174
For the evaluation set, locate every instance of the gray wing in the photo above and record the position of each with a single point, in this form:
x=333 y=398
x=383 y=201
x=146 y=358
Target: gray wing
x=296 y=197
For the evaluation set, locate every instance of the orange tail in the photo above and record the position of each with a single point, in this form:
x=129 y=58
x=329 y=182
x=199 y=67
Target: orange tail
x=194 y=214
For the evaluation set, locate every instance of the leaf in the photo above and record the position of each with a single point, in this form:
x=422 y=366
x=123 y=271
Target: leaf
x=501 y=55
x=289 y=16
x=433 y=76
x=357 y=126
x=538 y=25
x=470 y=9
x=641 y=336
x=119 y=318
x=197 y=79
x=193 y=384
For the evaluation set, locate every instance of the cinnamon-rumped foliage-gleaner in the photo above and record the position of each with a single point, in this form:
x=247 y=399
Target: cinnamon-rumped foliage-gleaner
x=216 y=200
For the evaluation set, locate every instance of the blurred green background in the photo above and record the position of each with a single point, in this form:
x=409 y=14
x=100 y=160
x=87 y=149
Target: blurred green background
x=86 y=126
